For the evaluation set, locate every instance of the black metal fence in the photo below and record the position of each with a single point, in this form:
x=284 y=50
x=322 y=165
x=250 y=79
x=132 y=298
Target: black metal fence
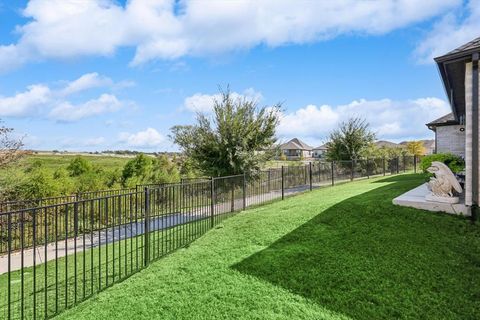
x=16 y=205
x=56 y=255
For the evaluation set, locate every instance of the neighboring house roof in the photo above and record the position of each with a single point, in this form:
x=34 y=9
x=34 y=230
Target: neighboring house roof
x=386 y=144
x=446 y=120
x=290 y=146
x=452 y=70
x=322 y=147
x=295 y=144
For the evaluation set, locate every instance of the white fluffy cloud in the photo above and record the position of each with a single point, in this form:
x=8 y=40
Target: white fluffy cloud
x=149 y=138
x=25 y=103
x=453 y=30
x=395 y=120
x=85 y=82
x=309 y=121
x=41 y=100
x=68 y=112
x=200 y=102
x=166 y=29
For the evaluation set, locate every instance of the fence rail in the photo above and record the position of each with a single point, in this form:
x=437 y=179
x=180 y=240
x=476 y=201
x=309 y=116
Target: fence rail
x=54 y=255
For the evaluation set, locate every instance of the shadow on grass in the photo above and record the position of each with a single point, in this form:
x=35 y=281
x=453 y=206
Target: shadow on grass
x=369 y=259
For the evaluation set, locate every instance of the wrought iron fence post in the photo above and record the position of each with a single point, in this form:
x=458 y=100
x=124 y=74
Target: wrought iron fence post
x=383 y=164
x=333 y=172
x=232 y=194
x=9 y=266
x=244 y=191
x=351 y=170
x=283 y=184
x=146 y=232
x=269 y=180
x=310 y=175
x=398 y=165
x=368 y=172
x=404 y=164
x=212 y=201
x=75 y=217
x=305 y=175
x=414 y=164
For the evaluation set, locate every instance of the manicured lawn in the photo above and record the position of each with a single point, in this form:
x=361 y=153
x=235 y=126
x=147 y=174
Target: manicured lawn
x=62 y=283
x=335 y=253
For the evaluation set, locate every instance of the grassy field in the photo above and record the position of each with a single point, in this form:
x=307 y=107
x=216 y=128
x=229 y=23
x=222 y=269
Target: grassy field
x=336 y=253
x=55 y=161
x=58 y=161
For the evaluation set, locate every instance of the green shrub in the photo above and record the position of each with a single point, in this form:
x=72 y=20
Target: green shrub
x=454 y=162
x=137 y=169
x=79 y=166
x=39 y=183
x=89 y=181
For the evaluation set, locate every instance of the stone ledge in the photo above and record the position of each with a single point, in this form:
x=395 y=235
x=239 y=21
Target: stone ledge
x=415 y=198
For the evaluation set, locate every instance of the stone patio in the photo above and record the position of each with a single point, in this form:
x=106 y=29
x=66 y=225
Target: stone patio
x=415 y=198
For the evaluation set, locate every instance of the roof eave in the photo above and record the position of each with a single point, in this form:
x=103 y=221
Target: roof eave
x=443 y=61
x=457 y=56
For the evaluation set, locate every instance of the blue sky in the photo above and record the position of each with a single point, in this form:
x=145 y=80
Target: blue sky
x=96 y=75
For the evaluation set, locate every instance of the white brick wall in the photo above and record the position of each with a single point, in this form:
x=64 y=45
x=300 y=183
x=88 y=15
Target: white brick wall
x=451 y=139
x=468 y=134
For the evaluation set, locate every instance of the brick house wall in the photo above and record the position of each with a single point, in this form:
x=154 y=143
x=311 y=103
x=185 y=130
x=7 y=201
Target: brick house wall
x=451 y=139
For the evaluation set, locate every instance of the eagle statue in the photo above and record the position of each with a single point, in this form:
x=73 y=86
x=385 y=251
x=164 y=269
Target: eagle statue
x=443 y=185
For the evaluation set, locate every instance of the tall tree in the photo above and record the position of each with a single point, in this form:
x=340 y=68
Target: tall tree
x=416 y=148
x=350 y=140
x=9 y=146
x=238 y=137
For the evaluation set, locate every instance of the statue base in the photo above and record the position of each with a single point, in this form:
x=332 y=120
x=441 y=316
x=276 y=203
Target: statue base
x=433 y=198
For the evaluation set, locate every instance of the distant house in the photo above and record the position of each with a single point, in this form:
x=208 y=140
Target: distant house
x=429 y=146
x=449 y=135
x=319 y=152
x=296 y=149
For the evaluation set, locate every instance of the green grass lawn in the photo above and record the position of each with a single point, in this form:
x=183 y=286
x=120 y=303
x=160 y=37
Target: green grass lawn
x=336 y=253
x=63 y=283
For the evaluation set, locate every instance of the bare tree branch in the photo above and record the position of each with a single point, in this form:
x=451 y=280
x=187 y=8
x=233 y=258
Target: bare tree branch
x=9 y=147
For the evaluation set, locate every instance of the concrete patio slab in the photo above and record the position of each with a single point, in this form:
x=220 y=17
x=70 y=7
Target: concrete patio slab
x=415 y=198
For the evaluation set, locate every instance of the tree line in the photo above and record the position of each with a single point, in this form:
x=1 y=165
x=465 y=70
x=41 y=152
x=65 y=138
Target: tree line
x=354 y=139
x=238 y=137
x=36 y=180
